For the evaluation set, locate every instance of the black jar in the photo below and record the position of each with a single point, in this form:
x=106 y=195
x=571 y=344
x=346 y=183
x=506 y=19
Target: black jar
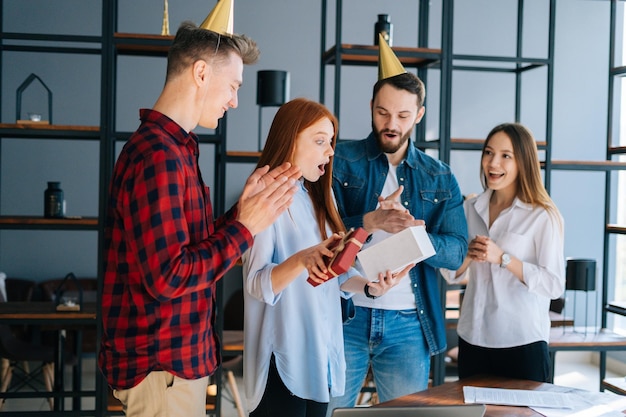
x=384 y=27
x=54 y=201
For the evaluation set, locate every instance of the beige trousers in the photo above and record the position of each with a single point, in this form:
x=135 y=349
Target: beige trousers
x=162 y=394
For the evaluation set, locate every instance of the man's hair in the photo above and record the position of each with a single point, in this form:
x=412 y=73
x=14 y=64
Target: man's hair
x=406 y=81
x=192 y=43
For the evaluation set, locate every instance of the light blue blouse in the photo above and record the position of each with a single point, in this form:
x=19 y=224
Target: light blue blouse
x=301 y=325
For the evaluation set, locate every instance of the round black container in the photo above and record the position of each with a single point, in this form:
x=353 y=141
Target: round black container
x=384 y=27
x=272 y=88
x=54 y=201
x=580 y=274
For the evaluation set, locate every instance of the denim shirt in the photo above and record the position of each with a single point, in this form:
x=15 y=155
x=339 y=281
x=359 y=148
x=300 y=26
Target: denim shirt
x=431 y=193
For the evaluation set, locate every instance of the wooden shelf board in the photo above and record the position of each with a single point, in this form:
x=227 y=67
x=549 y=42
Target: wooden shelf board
x=618 y=307
x=247 y=154
x=474 y=141
x=142 y=36
x=559 y=320
x=467 y=141
x=618 y=70
x=568 y=338
x=613 y=228
x=368 y=55
x=34 y=220
x=142 y=43
x=232 y=340
x=616 y=385
x=592 y=165
x=615 y=150
x=43 y=126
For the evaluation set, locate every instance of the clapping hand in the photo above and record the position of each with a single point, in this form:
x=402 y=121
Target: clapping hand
x=390 y=215
x=266 y=195
x=483 y=249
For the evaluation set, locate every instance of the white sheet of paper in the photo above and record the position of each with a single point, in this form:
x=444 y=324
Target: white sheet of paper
x=412 y=245
x=588 y=404
x=517 y=397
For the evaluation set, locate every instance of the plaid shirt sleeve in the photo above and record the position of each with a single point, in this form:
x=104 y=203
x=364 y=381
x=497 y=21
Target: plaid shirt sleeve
x=164 y=254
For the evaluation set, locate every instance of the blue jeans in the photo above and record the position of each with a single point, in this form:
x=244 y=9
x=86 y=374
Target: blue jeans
x=392 y=342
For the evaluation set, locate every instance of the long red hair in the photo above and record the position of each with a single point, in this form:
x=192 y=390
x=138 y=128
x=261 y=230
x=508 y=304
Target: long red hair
x=291 y=119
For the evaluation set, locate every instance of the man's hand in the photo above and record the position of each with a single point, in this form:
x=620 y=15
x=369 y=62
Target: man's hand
x=390 y=216
x=266 y=195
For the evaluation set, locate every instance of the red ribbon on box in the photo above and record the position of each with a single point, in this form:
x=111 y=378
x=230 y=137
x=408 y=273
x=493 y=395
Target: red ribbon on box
x=344 y=253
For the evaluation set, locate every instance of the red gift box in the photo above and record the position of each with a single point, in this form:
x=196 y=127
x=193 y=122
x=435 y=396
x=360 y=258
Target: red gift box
x=345 y=251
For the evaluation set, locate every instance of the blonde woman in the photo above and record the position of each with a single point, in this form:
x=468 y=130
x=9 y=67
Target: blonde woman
x=514 y=264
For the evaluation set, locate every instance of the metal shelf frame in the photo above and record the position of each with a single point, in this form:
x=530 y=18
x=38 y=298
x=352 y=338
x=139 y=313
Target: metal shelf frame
x=612 y=150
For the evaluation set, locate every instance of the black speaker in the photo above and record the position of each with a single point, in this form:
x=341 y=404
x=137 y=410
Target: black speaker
x=272 y=88
x=580 y=274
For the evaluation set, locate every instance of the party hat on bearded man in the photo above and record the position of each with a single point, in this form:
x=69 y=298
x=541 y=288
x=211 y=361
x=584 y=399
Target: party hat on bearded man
x=220 y=20
x=388 y=63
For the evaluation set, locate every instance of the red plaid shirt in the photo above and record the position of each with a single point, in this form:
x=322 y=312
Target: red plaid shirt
x=164 y=255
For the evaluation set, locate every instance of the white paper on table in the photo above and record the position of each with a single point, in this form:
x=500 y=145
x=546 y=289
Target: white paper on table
x=588 y=404
x=412 y=245
x=517 y=397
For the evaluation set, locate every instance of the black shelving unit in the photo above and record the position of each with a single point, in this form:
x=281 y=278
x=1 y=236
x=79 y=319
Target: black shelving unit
x=515 y=66
x=616 y=73
x=51 y=44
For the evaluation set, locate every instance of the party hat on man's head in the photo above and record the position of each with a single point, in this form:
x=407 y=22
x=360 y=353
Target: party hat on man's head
x=388 y=63
x=220 y=20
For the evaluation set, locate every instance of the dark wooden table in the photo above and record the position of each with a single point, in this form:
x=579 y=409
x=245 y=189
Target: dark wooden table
x=451 y=393
x=44 y=314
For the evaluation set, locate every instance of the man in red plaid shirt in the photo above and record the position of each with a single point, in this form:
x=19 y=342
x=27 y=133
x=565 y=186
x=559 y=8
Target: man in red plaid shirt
x=164 y=252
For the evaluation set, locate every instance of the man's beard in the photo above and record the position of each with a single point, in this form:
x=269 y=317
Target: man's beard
x=386 y=146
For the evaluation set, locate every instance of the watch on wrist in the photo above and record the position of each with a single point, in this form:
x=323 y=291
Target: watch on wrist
x=505 y=260
x=366 y=290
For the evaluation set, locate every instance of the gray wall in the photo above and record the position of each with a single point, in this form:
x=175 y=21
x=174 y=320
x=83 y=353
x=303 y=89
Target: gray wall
x=288 y=32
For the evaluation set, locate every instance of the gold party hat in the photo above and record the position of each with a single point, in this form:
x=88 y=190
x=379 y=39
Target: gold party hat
x=220 y=20
x=388 y=63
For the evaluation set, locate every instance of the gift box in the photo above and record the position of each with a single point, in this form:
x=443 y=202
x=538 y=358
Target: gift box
x=410 y=246
x=344 y=253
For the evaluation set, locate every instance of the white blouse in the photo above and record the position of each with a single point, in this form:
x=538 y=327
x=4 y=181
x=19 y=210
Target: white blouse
x=498 y=310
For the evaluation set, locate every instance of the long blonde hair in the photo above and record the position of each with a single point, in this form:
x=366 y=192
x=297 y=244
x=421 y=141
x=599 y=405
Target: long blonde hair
x=530 y=188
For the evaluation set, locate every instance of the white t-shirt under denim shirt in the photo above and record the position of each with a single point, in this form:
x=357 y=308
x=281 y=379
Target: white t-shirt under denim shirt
x=401 y=296
x=498 y=310
x=302 y=325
